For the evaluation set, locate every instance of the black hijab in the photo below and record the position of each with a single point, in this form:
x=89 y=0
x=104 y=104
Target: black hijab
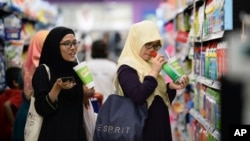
x=51 y=54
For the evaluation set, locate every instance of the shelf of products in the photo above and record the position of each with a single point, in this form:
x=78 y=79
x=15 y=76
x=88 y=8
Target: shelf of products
x=199 y=30
x=215 y=133
x=208 y=82
x=19 y=20
x=38 y=12
x=213 y=36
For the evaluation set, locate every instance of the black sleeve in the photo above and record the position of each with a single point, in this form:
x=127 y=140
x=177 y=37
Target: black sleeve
x=132 y=87
x=41 y=86
x=171 y=93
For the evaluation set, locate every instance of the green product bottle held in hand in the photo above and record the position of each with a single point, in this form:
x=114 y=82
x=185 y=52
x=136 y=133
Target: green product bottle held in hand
x=172 y=68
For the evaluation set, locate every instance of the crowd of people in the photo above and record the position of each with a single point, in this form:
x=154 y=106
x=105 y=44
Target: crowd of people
x=135 y=74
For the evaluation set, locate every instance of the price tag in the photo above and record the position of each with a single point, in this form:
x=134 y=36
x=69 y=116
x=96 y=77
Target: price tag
x=216 y=134
x=217 y=85
x=209 y=82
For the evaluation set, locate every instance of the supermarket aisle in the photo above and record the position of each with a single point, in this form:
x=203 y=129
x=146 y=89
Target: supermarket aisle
x=193 y=30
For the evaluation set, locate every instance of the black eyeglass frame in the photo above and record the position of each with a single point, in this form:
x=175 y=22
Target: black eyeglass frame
x=155 y=46
x=69 y=44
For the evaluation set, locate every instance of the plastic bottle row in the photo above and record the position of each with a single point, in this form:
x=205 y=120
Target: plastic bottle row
x=210 y=60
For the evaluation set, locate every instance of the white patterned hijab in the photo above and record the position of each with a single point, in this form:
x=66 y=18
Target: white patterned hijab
x=141 y=33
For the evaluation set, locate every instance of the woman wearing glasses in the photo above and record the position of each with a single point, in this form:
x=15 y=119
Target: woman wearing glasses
x=139 y=78
x=59 y=102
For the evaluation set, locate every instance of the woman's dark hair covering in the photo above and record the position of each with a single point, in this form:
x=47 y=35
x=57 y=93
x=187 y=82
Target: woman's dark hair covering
x=51 y=54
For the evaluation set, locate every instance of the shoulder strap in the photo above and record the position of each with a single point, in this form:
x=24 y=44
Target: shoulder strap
x=47 y=69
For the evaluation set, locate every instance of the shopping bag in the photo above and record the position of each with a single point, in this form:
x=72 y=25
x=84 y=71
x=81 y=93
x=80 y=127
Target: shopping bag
x=34 y=120
x=120 y=119
x=89 y=121
x=33 y=123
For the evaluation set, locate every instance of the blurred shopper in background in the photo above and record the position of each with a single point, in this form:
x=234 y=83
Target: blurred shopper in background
x=117 y=41
x=102 y=68
x=30 y=64
x=114 y=43
x=10 y=100
x=32 y=61
x=139 y=78
x=81 y=54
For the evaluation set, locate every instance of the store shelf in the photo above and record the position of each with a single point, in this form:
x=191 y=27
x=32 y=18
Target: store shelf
x=7 y=9
x=210 y=128
x=213 y=36
x=199 y=38
x=208 y=82
x=180 y=10
x=216 y=134
x=209 y=37
x=170 y=19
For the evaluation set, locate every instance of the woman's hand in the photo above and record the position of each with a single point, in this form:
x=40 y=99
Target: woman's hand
x=88 y=93
x=157 y=63
x=58 y=85
x=66 y=84
x=181 y=84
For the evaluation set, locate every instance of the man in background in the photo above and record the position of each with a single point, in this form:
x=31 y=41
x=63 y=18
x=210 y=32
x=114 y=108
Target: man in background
x=102 y=69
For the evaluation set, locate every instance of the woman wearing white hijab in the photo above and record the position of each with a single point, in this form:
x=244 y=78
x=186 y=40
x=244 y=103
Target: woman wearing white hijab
x=139 y=78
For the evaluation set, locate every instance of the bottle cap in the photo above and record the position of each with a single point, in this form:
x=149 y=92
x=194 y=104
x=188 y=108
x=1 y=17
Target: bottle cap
x=153 y=54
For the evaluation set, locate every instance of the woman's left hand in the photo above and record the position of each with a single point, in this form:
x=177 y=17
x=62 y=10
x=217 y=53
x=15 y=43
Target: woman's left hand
x=87 y=94
x=181 y=84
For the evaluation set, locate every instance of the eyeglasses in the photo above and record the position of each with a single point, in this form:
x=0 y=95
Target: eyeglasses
x=155 y=46
x=69 y=44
